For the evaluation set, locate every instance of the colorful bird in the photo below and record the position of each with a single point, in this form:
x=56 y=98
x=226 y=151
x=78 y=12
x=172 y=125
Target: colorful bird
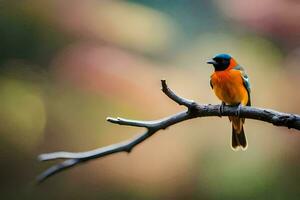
x=231 y=85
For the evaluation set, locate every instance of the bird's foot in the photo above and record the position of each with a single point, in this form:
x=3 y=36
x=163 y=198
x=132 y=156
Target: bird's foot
x=221 y=109
x=238 y=110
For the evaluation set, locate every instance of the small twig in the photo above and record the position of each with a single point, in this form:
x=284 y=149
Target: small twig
x=129 y=122
x=193 y=110
x=181 y=101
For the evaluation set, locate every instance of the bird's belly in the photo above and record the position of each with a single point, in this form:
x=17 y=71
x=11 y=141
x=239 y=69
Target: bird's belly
x=231 y=93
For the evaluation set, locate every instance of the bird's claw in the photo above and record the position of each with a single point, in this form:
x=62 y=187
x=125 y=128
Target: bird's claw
x=221 y=109
x=238 y=110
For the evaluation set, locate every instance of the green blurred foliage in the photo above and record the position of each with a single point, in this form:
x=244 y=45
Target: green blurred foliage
x=26 y=34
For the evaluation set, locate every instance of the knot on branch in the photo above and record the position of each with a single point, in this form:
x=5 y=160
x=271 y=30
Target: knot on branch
x=128 y=149
x=193 y=109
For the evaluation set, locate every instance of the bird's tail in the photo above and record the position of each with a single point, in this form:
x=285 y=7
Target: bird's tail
x=238 y=135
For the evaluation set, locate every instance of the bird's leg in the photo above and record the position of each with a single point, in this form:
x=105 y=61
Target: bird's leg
x=238 y=110
x=221 y=108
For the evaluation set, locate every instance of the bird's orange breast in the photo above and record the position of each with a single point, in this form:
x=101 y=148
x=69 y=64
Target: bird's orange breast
x=229 y=88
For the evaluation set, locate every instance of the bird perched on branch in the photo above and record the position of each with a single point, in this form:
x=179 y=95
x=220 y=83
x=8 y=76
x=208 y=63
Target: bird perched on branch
x=231 y=85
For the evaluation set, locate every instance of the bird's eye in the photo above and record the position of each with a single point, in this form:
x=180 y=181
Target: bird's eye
x=221 y=60
x=218 y=60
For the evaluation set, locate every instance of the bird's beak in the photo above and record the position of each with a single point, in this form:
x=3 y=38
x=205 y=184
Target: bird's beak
x=211 y=61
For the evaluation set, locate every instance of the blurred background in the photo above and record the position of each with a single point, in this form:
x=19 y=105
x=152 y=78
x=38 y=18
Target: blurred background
x=67 y=65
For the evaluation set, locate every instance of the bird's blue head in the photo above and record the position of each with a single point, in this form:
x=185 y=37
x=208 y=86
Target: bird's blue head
x=221 y=61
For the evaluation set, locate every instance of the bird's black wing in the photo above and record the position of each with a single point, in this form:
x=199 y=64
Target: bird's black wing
x=211 y=85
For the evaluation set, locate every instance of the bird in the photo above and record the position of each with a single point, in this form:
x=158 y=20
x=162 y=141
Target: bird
x=231 y=85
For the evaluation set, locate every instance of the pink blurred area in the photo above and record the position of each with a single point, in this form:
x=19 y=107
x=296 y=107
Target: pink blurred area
x=92 y=67
x=276 y=18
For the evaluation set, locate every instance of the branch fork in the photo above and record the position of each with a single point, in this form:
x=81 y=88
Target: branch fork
x=194 y=110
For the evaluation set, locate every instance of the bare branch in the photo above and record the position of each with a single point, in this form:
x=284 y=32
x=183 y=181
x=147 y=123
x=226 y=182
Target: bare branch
x=193 y=110
x=181 y=101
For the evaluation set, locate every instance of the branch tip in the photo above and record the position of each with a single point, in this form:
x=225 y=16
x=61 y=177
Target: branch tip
x=40 y=157
x=164 y=85
x=111 y=119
